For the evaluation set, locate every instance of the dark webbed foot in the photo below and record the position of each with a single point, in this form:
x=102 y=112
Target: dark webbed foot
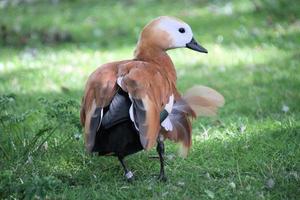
x=161 y=151
x=128 y=174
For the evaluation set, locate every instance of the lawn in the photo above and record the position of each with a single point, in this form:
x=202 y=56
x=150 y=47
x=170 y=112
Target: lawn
x=251 y=150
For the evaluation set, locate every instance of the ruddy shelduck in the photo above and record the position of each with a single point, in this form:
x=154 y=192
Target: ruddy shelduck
x=132 y=105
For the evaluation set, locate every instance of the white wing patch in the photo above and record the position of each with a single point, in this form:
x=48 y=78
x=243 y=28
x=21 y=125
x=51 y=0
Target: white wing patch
x=132 y=116
x=170 y=104
x=119 y=81
x=100 y=120
x=167 y=124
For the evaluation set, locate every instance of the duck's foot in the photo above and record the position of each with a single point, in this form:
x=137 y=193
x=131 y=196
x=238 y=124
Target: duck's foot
x=161 y=150
x=162 y=178
x=129 y=176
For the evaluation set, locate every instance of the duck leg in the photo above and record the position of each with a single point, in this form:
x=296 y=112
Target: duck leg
x=128 y=173
x=160 y=148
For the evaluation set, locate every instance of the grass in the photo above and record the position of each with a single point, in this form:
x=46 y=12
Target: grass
x=250 y=151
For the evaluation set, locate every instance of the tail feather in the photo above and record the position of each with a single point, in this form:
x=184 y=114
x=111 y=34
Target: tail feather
x=203 y=100
x=182 y=128
x=198 y=101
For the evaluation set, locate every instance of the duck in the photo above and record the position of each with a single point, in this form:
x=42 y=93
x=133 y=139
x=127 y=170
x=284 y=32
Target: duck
x=133 y=105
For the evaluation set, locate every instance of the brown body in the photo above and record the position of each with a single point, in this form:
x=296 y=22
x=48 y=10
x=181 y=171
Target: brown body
x=125 y=103
x=151 y=78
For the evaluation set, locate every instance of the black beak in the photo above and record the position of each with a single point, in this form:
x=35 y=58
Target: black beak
x=195 y=46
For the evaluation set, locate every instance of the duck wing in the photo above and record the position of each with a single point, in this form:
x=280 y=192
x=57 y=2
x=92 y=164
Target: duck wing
x=149 y=91
x=99 y=91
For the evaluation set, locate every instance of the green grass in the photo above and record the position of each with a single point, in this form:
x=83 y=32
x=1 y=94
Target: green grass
x=250 y=151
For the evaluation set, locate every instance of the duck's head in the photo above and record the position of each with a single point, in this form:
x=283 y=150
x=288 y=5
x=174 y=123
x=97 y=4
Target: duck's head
x=169 y=33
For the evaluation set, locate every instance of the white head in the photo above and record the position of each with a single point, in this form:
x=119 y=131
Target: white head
x=169 y=33
x=179 y=32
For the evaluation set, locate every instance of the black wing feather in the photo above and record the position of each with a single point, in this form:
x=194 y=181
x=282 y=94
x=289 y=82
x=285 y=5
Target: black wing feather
x=118 y=110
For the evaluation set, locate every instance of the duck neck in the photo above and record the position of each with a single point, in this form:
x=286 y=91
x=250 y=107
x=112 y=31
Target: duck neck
x=158 y=56
x=150 y=53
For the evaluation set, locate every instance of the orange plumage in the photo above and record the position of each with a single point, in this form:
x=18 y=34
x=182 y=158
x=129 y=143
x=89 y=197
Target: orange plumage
x=150 y=77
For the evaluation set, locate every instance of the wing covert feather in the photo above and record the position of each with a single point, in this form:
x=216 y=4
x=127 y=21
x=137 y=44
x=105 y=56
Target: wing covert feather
x=150 y=92
x=99 y=91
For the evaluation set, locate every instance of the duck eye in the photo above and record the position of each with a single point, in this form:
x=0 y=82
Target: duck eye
x=181 y=30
